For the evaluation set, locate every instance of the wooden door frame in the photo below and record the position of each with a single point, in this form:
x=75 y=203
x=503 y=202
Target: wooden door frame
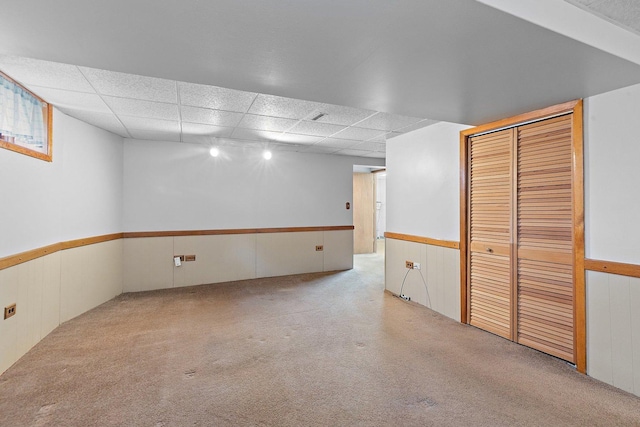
x=577 y=171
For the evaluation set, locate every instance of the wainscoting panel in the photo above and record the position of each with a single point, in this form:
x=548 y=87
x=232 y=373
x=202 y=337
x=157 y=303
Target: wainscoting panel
x=435 y=285
x=220 y=258
x=148 y=263
x=52 y=289
x=90 y=275
x=613 y=330
x=281 y=254
x=223 y=256
x=34 y=287
x=338 y=250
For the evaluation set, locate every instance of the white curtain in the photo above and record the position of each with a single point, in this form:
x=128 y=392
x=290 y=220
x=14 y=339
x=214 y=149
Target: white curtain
x=21 y=115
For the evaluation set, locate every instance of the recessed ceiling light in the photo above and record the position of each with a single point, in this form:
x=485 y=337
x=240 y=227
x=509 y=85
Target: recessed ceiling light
x=214 y=152
x=267 y=155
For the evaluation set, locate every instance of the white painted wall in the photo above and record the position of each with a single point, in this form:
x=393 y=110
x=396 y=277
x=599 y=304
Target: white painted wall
x=612 y=233
x=423 y=182
x=78 y=195
x=171 y=186
x=612 y=176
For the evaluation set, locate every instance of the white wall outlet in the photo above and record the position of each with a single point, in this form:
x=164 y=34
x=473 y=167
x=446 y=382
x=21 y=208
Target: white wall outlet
x=416 y=265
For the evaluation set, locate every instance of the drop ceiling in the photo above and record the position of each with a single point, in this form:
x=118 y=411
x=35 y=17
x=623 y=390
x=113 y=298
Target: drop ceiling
x=151 y=108
x=257 y=71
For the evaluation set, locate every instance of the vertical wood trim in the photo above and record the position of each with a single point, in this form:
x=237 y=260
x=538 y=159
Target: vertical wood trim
x=464 y=237
x=49 y=133
x=514 y=234
x=579 y=291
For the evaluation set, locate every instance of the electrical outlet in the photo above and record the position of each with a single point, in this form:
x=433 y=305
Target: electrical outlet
x=416 y=265
x=9 y=311
x=188 y=258
x=408 y=264
x=319 y=248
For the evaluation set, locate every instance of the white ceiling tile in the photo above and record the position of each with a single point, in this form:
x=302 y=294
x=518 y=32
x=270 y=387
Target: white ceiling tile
x=138 y=108
x=337 y=143
x=369 y=146
x=386 y=121
x=70 y=99
x=392 y=135
x=142 y=123
x=104 y=121
x=287 y=147
x=320 y=149
x=154 y=135
x=376 y=154
x=202 y=129
x=254 y=135
x=350 y=152
x=359 y=134
x=44 y=73
x=339 y=115
x=274 y=124
x=316 y=129
x=380 y=139
x=131 y=86
x=298 y=139
x=214 y=97
x=252 y=145
x=210 y=117
x=288 y=108
x=421 y=124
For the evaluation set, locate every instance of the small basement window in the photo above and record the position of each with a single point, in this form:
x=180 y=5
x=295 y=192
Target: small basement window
x=25 y=120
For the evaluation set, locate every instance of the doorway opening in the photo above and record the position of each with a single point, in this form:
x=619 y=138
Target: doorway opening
x=369 y=209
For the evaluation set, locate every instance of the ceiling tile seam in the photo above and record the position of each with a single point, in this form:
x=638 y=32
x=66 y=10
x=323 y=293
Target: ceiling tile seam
x=63 y=90
x=350 y=126
x=366 y=118
x=242 y=118
x=175 y=82
x=312 y=114
x=105 y=102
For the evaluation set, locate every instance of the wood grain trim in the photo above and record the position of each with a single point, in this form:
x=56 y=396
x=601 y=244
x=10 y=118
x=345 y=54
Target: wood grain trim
x=543 y=113
x=135 y=234
x=611 y=267
x=579 y=286
x=90 y=241
x=464 y=229
x=420 y=239
x=23 y=257
x=48 y=156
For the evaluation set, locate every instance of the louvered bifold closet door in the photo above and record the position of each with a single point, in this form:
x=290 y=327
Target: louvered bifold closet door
x=490 y=232
x=544 y=236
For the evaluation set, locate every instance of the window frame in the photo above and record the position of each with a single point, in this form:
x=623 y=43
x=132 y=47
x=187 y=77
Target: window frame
x=48 y=119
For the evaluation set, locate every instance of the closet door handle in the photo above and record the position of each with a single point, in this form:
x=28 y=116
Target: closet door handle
x=490 y=250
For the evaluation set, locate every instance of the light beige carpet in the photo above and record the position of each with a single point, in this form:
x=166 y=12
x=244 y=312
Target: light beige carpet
x=308 y=350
